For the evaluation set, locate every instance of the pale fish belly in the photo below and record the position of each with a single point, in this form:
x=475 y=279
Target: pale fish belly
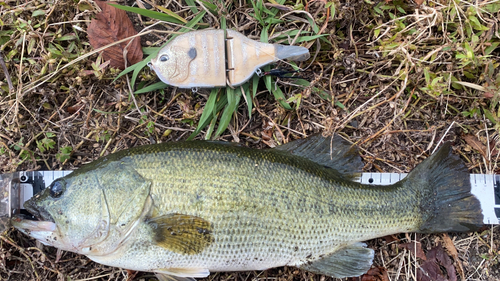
x=242 y=243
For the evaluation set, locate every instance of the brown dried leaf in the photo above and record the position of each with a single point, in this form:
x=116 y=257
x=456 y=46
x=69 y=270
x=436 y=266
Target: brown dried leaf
x=412 y=247
x=445 y=260
x=378 y=273
x=488 y=95
x=450 y=248
x=431 y=269
x=390 y=238
x=476 y=144
x=109 y=26
x=419 y=2
x=73 y=109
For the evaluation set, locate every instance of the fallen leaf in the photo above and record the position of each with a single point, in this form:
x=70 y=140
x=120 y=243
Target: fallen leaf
x=414 y=248
x=112 y=25
x=488 y=95
x=378 y=273
x=476 y=144
x=419 y=2
x=444 y=259
x=73 y=109
x=431 y=269
x=449 y=246
x=390 y=238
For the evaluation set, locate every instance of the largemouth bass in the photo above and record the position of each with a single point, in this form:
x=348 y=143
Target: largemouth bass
x=217 y=58
x=186 y=209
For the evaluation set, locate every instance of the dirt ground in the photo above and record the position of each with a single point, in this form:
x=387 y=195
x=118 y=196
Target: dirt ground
x=393 y=92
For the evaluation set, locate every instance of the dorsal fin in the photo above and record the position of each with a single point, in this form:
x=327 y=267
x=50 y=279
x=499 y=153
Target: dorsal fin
x=333 y=152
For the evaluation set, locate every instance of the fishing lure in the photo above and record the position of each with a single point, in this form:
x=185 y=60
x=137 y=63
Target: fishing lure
x=217 y=58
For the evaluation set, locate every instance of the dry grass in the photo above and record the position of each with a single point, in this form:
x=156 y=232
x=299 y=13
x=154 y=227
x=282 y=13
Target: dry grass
x=393 y=77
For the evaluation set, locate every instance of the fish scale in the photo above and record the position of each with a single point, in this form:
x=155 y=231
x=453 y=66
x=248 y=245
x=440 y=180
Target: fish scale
x=224 y=206
x=190 y=208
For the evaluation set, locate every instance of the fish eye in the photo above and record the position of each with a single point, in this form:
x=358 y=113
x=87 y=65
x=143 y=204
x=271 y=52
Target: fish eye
x=56 y=189
x=164 y=58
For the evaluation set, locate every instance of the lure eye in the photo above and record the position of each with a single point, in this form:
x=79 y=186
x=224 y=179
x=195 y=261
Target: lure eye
x=164 y=58
x=56 y=189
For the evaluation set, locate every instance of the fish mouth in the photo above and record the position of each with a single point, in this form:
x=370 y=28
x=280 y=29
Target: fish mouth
x=40 y=213
x=23 y=223
x=44 y=231
x=151 y=63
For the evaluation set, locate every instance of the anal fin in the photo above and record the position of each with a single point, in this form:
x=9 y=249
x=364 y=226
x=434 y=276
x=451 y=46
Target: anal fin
x=181 y=274
x=167 y=277
x=350 y=261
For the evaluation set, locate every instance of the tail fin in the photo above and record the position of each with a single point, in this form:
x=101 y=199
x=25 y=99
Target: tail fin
x=447 y=203
x=294 y=53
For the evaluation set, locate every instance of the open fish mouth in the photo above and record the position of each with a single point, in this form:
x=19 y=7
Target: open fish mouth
x=44 y=231
x=23 y=222
x=43 y=228
x=40 y=214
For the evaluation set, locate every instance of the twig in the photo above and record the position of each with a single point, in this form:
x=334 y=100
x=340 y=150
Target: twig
x=445 y=133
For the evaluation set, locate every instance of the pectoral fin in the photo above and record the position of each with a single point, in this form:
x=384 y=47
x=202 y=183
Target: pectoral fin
x=350 y=261
x=180 y=233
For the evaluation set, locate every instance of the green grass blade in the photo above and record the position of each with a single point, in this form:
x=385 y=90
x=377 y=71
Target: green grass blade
x=140 y=65
x=148 y=13
x=257 y=11
x=211 y=128
x=278 y=94
x=127 y=70
x=271 y=20
x=264 y=35
x=315 y=28
x=192 y=6
x=153 y=87
x=172 y=14
x=309 y=38
x=209 y=110
x=194 y=21
x=211 y=7
x=150 y=50
x=218 y=107
x=233 y=99
x=255 y=85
